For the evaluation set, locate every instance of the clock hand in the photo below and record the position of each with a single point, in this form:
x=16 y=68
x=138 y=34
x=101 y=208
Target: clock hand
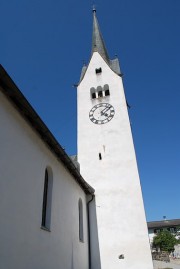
x=103 y=112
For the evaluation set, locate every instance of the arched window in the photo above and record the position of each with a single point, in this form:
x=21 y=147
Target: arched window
x=100 y=92
x=93 y=93
x=81 y=233
x=47 y=199
x=106 y=90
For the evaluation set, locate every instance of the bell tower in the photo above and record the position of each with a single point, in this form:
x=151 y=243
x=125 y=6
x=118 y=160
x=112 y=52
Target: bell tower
x=108 y=162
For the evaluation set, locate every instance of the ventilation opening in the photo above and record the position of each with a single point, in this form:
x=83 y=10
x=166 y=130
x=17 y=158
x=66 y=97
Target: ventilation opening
x=98 y=70
x=100 y=156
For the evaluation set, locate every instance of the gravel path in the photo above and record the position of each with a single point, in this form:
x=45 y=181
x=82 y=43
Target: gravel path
x=173 y=264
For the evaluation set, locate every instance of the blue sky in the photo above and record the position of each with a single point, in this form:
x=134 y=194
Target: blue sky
x=43 y=46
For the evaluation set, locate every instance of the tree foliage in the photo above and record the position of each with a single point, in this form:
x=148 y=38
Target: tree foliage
x=165 y=240
x=178 y=233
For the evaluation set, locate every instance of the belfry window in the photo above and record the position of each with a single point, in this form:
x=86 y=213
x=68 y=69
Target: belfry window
x=47 y=199
x=81 y=232
x=106 y=90
x=93 y=93
x=98 y=70
x=100 y=91
x=100 y=94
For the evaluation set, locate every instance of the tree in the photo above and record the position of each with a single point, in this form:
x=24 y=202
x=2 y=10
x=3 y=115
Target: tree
x=177 y=233
x=165 y=240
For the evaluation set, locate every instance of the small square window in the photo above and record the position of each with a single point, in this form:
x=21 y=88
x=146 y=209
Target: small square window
x=98 y=70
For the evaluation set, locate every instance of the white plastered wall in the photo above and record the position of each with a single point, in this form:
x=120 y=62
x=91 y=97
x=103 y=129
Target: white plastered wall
x=120 y=212
x=23 y=160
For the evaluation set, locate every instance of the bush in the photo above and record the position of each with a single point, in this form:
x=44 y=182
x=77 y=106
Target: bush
x=165 y=241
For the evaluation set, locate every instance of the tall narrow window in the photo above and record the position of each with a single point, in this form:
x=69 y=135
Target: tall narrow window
x=81 y=233
x=47 y=199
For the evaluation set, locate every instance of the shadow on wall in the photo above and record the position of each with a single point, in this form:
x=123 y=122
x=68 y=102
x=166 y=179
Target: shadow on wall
x=94 y=242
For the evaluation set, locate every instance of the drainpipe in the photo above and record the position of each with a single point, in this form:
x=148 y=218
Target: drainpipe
x=89 y=233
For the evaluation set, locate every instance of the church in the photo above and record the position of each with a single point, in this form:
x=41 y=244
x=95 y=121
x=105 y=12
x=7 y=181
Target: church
x=79 y=212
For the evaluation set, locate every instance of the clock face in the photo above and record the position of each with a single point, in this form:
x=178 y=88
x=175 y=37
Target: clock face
x=101 y=113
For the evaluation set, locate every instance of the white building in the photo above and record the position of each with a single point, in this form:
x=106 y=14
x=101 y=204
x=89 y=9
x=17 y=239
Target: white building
x=107 y=159
x=43 y=197
x=50 y=217
x=154 y=227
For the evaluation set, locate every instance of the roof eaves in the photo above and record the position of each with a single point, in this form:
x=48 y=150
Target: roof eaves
x=12 y=92
x=163 y=223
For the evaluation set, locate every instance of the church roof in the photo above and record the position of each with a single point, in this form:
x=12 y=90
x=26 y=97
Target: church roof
x=11 y=91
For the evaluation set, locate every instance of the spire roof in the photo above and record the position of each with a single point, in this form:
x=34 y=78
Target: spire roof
x=97 y=39
x=98 y=45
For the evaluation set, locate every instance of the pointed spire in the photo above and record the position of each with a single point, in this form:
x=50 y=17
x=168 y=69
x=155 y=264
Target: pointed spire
x=97 y=39
x=98 y=45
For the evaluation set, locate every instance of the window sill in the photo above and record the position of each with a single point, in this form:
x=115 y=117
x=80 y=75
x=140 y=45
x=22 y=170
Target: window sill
x=45 y=229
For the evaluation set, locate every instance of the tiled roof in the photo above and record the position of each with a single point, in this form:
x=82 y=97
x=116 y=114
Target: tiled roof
x=163 y=223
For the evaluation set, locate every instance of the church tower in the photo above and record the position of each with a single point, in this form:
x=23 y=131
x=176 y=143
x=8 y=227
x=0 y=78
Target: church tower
x=108 y=162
